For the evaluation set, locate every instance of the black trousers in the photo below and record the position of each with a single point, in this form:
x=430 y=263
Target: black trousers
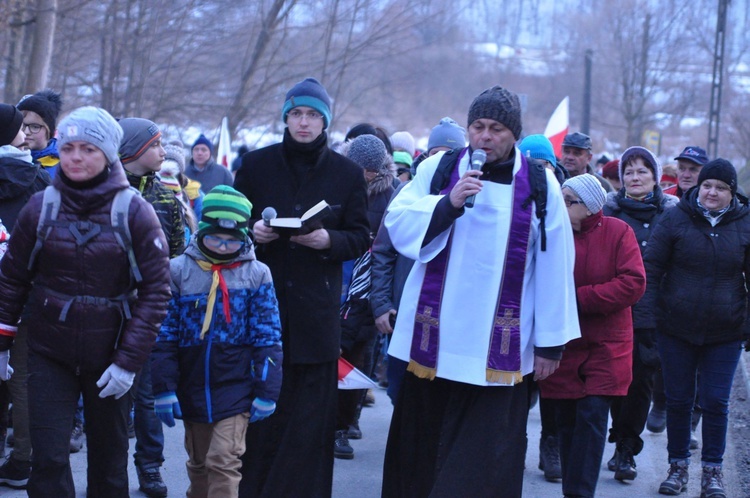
x=54 y=389
x=291 y=452
x=451 y=439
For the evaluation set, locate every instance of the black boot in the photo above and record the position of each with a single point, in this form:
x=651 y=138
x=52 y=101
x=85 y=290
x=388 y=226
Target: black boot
x=625 y=466
x=342 y=448
x=549 y=458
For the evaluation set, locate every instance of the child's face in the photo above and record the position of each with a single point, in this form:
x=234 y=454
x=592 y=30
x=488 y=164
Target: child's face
x=223 y=243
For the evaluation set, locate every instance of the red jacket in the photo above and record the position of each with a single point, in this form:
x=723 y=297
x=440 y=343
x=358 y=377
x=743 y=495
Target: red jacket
x=609 y=278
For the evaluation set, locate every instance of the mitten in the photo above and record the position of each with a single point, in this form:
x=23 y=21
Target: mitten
x=166 y=407
x=116 y=381
x=261 y=409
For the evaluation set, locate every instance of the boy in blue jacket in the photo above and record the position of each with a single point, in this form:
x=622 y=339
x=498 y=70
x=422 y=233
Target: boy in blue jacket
x=217 y=361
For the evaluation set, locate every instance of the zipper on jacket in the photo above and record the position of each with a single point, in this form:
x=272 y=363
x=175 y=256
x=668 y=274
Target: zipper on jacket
x=208 y=378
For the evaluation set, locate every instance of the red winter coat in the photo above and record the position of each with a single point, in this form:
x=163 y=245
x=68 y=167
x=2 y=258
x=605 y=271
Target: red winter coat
x=609 y=278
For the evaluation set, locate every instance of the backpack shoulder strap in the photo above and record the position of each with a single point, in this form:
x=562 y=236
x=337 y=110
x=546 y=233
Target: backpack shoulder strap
x=50 y=209
x=443 y=172
x=538 y=182
x=119 y=219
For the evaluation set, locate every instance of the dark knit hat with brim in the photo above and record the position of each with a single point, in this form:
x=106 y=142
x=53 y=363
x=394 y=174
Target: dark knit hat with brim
x=138 y=135
x=719 y=169
x=225 y=210
x=11 y=121
x=308 y=93
x=47 y=104
x=500 y=105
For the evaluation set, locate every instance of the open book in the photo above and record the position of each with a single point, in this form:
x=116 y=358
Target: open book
x=311 y=220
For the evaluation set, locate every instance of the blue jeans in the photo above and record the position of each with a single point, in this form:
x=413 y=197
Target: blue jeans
x=581 y=434
x=716 y=363
x=149 y=434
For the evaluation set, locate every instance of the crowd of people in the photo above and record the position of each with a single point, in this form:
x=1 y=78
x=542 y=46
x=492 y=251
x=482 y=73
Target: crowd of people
x=140 y=286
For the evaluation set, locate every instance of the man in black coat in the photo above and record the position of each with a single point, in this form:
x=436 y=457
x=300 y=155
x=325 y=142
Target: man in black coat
x=291 y=453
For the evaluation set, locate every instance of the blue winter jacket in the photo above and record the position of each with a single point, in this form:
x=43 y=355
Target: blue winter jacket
x=219 y=376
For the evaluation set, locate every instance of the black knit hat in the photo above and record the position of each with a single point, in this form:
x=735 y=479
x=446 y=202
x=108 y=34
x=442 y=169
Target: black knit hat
x=719 y=169
x=47 y=104
x=11 y=120
x=498 y=104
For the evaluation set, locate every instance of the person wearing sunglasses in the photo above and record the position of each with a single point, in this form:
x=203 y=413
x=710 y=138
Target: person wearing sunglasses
x=217 y=360
x=40 y=111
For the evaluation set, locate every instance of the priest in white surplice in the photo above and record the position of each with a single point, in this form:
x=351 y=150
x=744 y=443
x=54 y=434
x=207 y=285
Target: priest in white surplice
x=489 y=302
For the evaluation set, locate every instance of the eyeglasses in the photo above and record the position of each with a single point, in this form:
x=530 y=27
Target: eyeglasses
x=231 y=245
x=32 y=128
x=570 y=202
x=297 y=115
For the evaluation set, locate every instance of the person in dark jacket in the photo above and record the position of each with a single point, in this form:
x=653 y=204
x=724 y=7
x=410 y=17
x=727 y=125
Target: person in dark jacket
x=204 y=170
x=640 y=204
x=698 y=267
x=218 y=365
x=142 y=155
x=291 y=177
x=609 y=278
x=20 y=178
x=93 y=319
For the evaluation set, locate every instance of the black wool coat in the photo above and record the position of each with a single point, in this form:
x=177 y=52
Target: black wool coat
x=308 y=281
x=698 y=274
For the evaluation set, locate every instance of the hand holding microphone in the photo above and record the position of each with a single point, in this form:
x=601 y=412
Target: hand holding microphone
x=478 y=158
x=262 y=228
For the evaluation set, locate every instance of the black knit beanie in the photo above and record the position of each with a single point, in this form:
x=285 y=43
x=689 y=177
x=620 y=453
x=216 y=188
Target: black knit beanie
x=719 y=169
x=47 y=104
x=11 y=120
x=500 y=105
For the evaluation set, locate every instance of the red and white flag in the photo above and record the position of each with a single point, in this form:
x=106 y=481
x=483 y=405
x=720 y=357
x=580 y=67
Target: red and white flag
x=352 y=378
x=225 y=144
x=558 y=127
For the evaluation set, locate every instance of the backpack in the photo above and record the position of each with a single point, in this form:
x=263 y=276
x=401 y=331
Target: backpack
x=83 y=231
x=537 y=179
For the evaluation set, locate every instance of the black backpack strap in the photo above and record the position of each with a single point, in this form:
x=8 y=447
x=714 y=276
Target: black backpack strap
x=443 y=172
x=538 y=182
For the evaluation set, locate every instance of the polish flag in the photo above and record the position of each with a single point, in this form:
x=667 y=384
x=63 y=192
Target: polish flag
x=351 y=378
x=225 y=144
x=558 y=127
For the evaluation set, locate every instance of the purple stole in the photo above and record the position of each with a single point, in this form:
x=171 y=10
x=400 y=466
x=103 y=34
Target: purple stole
x=504 y=352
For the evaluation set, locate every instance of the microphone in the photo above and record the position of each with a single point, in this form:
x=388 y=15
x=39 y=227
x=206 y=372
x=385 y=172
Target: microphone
x=478 y=158
x=268 y=214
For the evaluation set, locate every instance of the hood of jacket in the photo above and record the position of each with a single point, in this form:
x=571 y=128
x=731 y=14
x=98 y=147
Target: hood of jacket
x=17 y=172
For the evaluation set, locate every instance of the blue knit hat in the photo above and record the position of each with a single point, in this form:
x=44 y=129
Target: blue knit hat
x=447 y=133
x=202 y=140
x=538 y=147
x=309 y=93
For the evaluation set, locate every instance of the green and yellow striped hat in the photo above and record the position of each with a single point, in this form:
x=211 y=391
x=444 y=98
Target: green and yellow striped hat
x=225 y=210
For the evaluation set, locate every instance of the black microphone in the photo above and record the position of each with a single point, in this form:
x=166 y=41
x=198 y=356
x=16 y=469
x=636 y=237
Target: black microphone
x=268 y=214
x=478 y=158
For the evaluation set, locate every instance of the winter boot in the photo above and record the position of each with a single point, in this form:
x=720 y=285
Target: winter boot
x=76 y=438
x=549 y=458
x=612 y=463
x=657 y=419
x=625 y=466
x=150 y=482
x=712 y=485
x=677 y=479
x=15 y=473
x=342 y=448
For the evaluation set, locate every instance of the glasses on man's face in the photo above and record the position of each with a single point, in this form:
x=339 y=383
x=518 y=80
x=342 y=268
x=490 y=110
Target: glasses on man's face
x=32 y=128
x=570 y=202
x=215 y=243
x=297 y=115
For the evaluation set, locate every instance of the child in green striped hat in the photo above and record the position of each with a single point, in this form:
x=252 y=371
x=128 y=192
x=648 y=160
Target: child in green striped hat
x=217 y=360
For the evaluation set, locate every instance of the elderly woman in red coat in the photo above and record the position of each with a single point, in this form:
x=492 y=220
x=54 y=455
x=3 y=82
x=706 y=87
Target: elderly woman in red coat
x=609 y=278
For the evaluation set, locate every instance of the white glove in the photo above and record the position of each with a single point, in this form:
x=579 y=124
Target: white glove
x=5 y=370
x=117 y=380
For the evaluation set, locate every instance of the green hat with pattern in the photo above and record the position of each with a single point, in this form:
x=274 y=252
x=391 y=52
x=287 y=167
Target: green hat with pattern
x=225 y=210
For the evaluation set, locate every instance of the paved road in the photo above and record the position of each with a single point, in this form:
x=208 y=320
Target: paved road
x=361 y=477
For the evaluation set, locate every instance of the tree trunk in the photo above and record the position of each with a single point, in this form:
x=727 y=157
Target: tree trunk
x=41 y=51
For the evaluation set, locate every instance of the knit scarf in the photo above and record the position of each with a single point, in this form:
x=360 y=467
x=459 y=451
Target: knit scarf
x=218 y=281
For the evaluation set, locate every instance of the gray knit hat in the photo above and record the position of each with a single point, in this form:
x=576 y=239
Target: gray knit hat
x=368 y=151
x=138 y=135
x=175 y=152
x=403 y=140
x=588 y=188
x=93 y=125
x=648 y=159
x=498 y=104
x=447 y=133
